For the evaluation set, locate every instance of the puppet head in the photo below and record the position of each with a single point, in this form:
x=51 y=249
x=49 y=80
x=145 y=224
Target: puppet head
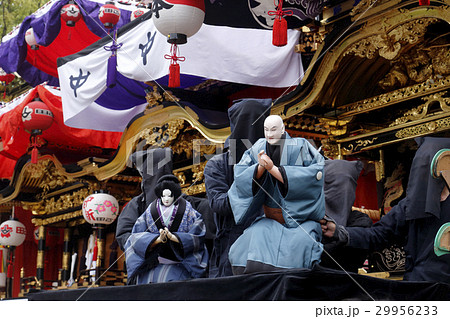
x=167 y=197
x=166 y=184
x=273 y=129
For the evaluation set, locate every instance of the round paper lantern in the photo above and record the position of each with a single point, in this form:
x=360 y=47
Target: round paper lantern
x=100 y=208
x=109 y=15
x=30 y=39
x=178 y=19
x=138 y=13
x=36 y=117
x=12 y=233
x=71 y=14
x=7 y=78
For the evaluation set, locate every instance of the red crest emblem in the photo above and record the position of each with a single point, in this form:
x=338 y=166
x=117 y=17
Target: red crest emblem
x=6 y=231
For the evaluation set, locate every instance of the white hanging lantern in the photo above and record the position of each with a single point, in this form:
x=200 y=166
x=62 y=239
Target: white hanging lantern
x=30 y=39
x=178 y=17
x=177 y=20
x=12 y=233
x=100 y=208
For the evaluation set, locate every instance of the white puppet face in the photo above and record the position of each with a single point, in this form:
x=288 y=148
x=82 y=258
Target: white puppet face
x=167 y=197
x=273 y=129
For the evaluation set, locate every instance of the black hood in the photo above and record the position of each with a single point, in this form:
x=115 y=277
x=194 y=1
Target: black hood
x=246 y=122
x=424 y=191
x=152 y=164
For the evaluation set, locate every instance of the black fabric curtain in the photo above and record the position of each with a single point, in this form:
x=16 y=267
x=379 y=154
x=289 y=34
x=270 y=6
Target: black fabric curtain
x=298 y=284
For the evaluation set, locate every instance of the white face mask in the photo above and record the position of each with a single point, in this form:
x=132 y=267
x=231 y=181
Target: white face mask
x=273 y=129
x=167 y=198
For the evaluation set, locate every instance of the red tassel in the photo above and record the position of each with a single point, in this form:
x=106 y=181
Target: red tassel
x=174 y=75
x=34 y=155
x=279 y=34
x=424 y=2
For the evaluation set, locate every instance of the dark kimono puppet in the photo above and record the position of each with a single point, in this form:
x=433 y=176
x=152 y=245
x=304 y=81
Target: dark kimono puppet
x=284 y=176
x=151 y=165
x=167 y=240
x=413 y=222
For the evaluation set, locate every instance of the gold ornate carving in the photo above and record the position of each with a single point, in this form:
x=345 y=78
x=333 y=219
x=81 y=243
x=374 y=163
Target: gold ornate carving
x=161 y=136
x=197 y=172
x=364 y=143
x=155 y=98
x=421 y=111
x=194 y=189
x=64 y=202
x=330 y=148
x=335 y=127
x=380 y=167
x=360 y=143
x=192 y=143
x=389 y=44
x=47 y=174
x=59 y=218
x=399 y=95
x=418 y=65
x=181 y=177
x=423 y=129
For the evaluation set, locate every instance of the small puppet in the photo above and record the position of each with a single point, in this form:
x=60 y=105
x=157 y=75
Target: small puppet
x=167 y=240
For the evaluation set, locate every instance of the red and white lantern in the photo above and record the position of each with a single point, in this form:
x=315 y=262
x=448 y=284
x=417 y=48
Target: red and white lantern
x=30 y=39
x=177 y=20
x=6 y=78
x=36 y=117
x=109 y=15
x=100 y=208
x=183 y=17
x=139 y=12
x=71 y=14
x=12 y=233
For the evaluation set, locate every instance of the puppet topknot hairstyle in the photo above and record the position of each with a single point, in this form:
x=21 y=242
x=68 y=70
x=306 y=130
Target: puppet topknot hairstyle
x=168 y=182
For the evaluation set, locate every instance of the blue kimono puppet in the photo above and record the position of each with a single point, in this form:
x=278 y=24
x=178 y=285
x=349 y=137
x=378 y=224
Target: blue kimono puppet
x=284 y=176
x=167 y=240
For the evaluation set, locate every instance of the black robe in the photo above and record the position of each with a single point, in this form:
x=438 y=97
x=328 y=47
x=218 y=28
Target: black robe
x=415 y=220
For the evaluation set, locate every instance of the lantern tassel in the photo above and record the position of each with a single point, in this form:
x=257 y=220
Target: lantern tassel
x=34 y=151
x=279 y=34
x=279 y=31
x=174 y=75
x=9 y=273
x=111 y=77
x=174 y=69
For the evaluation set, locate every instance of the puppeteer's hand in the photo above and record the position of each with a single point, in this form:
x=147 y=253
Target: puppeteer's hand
x=328 y=227
x=171 y=236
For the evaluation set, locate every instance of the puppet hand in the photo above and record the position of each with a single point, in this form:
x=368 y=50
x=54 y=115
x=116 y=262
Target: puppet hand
x=261 y=162
x=171 y=236
x=163 y=235
x=268 y=161
x=328 y=227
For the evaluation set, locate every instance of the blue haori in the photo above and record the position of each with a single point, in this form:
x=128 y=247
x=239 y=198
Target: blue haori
x=168 y=261
x=268 y=244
